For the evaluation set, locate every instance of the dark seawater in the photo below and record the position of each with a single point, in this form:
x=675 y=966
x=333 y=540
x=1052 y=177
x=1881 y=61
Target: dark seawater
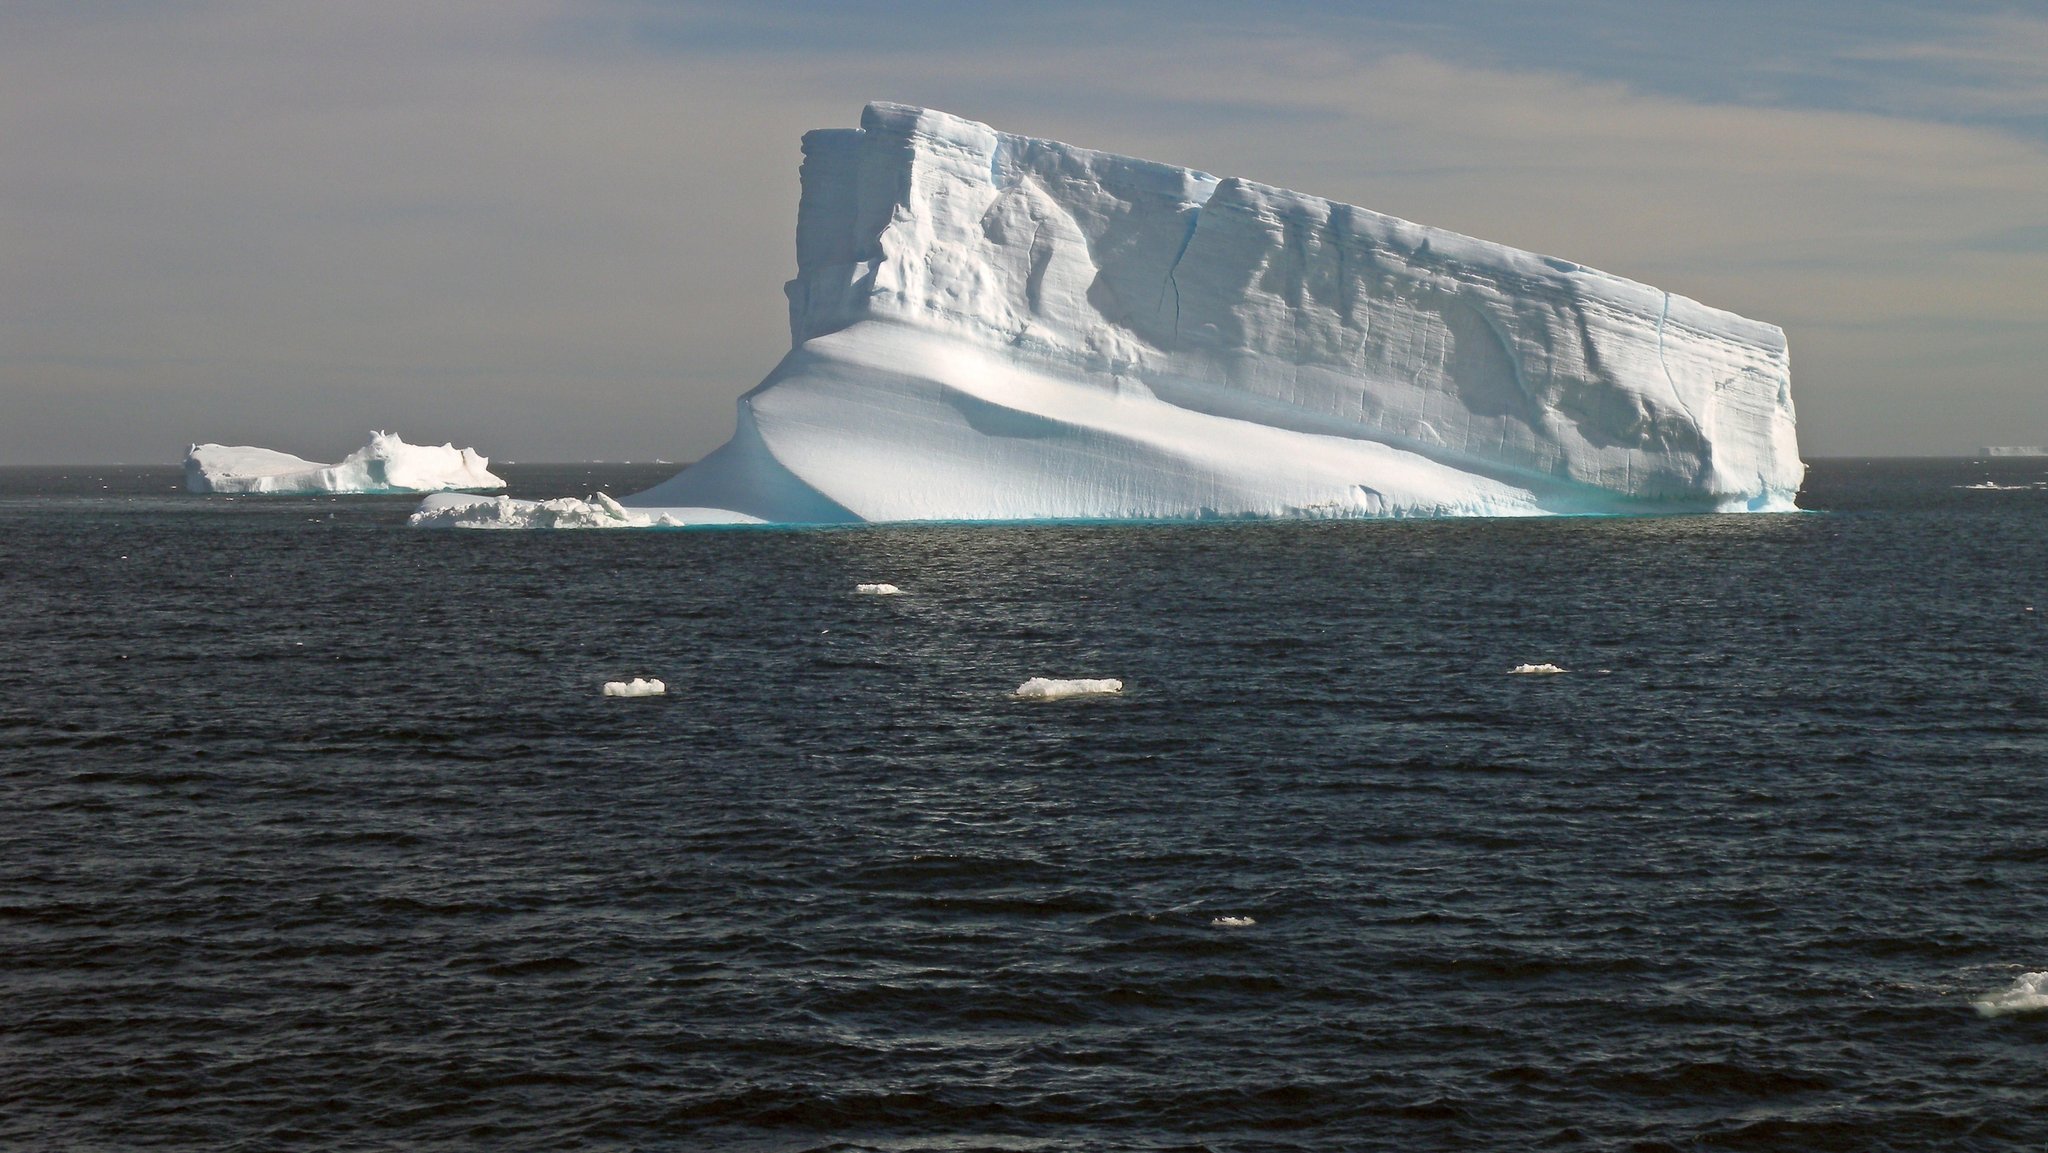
x=316 y=832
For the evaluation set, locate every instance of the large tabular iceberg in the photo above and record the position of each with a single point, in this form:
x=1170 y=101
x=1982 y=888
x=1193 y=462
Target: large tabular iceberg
x=385 y=465
x=995 y=327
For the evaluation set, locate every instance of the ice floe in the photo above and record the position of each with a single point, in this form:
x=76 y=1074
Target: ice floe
x=2028 y=993
x=1051 y=689
x=637 y=687
x=465 y=510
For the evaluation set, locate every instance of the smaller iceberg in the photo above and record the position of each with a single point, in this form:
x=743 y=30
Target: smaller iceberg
x=877 y=590
x=386 y=465
x=637 y=687
x=1546 y=669
x=1048 y=689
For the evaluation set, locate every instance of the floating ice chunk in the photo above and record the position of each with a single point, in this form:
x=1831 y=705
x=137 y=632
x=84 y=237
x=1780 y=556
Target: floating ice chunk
x=386 y=465
x=462 y=510
x=1049 y=689
x=637 y=687
x=1545 y=669
x=1233 y=922
x=880 y=590
x=2028 y=993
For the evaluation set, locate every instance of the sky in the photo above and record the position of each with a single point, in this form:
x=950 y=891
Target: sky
x=558 y=229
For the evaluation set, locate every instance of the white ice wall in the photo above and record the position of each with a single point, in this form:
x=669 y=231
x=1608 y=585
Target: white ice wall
x=989 y=325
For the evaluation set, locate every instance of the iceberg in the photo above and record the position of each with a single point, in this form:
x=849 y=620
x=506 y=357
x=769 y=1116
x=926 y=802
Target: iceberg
x=386 y=465
x=987 y=326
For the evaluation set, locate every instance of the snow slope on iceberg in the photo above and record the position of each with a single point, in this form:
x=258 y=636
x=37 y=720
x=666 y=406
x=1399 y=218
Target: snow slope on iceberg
x=386 y=465
x=994 y=327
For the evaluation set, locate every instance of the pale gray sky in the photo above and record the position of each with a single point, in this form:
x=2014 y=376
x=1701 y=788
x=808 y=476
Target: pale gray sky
x=558 y=229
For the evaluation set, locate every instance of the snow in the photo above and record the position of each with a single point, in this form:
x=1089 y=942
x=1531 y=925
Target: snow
x=386 y=465
x=2028 y=993
x=1048 y=689
x=637 y=687
x=987 y=326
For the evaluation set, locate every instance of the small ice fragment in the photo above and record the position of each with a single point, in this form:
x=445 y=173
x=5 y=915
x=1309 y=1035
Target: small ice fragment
x=1049 y=689
x=637 y=687
x=1233 y=922
x=2029 y=992
x=880 y=590
x=1545 y=669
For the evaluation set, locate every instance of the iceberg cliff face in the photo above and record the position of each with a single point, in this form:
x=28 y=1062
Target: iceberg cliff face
x=989 y=326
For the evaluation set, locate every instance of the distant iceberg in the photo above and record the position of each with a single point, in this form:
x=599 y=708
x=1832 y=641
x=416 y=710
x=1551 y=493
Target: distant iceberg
x=996 y=327
x=385 y=465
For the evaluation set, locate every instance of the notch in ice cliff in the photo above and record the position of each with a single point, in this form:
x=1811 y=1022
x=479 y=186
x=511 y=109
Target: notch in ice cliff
x=987 y=326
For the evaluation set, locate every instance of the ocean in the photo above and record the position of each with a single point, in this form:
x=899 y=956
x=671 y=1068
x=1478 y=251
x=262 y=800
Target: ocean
x=317 y=831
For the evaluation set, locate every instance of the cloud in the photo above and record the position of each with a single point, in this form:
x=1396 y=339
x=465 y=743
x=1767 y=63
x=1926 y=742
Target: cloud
x=1985 y=65
x=560 y=229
